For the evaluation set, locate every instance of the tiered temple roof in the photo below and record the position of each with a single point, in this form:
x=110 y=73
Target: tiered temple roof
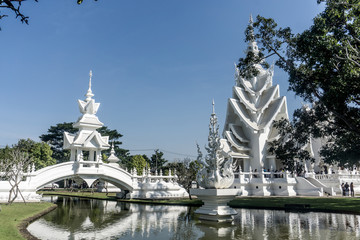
x=254 y=106
x=87 y=138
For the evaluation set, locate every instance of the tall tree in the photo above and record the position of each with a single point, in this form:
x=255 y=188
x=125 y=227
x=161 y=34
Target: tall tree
x=186 y=171
x=55 y=138
x=323 y=64
x=157 y=160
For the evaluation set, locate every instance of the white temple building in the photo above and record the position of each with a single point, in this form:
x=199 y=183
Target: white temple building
x=248 y=131
x=251 y=111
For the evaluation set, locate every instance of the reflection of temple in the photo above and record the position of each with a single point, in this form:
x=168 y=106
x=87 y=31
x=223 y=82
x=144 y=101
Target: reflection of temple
x=109 y=219
x=270 y=224
x=94 y=219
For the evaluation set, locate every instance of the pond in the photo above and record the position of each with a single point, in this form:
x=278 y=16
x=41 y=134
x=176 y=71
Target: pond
x=97 y=219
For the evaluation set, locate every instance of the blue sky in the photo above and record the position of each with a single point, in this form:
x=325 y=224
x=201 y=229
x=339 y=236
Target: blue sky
x=156 y=66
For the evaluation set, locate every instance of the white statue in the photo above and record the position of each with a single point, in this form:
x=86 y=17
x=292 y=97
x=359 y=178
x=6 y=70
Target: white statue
x=216 y=171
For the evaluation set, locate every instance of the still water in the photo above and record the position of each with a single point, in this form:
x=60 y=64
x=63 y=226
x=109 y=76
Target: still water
x=95 y=219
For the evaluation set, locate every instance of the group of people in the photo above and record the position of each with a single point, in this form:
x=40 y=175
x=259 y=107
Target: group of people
x=345 y=189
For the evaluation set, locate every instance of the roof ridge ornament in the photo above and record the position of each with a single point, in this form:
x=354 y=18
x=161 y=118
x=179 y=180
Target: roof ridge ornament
x=89 y=93
x=213 y=107
x=251 y=28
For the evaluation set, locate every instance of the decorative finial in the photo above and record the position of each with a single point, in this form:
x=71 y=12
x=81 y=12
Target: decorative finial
x=250 y=31
x=89 y=93
x=90 y=74
x=213 y=107
x=112 y=148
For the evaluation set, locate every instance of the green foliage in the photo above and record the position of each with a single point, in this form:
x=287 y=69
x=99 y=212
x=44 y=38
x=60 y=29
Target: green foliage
x=323 y=64
x=290 y=147
x=55 y=138
x=186 y=171
x=139 y=163
x=5 y=152
x=157 y=161
x=39 y=152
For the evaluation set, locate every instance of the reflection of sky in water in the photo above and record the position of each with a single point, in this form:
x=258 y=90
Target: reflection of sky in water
x=94 y=219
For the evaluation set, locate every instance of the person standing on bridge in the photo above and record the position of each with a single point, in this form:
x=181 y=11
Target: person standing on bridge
x=352 y=189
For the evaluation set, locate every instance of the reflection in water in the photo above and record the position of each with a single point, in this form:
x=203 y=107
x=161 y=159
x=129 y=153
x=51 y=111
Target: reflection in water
x=94 y=219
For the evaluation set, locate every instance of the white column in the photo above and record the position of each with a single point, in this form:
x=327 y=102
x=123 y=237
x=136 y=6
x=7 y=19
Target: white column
x=79 y=155
x=98 y=156
x=272 y=163
x=73 y=155
x=91 y=155
x=246 y=165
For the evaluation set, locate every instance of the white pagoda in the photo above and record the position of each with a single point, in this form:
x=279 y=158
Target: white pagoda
x=254 y=106
x=87 y=138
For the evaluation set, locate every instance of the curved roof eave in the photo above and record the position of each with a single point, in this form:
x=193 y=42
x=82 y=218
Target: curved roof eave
x=276 y=113
x=245 y=119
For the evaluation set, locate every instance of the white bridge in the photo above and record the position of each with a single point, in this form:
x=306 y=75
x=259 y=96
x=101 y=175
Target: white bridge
x=136 y=186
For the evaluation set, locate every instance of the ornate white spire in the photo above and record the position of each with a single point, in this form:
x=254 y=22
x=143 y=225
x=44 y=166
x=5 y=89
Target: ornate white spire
x=213 y=107
x=89 y=93
x=89 y=106
x=113 y=159
x=216 y=171
x=251 y=37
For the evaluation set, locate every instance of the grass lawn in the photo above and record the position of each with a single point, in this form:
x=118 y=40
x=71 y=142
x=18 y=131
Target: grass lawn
x=84 y=194
x=322 y=204
x=11 y=216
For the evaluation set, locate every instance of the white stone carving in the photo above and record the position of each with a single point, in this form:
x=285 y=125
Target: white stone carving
x=217 y=169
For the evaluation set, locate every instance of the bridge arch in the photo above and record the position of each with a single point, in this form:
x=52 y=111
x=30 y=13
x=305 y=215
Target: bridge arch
x=85 y=170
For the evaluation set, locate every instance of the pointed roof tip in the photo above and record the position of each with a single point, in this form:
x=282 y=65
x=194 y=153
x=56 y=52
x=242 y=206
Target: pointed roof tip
x=213 y=106
x=251 y=19
x=112 y=151
x=89 y=93
x=90 y=75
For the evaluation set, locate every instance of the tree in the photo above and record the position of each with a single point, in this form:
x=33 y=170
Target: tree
x=5 y=152
x=157 y=161
x=13 y=169
x=14 y=6
x=186 y=171
x=290 y=147
x=139 y=163
x=39 y=152
x=55 y=138
x=323 y=64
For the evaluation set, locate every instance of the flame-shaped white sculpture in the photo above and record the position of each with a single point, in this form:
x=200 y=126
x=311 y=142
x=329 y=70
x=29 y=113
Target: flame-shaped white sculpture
x=216 y=171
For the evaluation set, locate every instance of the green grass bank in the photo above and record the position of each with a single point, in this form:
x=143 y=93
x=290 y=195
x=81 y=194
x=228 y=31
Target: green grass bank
x=16 y=217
